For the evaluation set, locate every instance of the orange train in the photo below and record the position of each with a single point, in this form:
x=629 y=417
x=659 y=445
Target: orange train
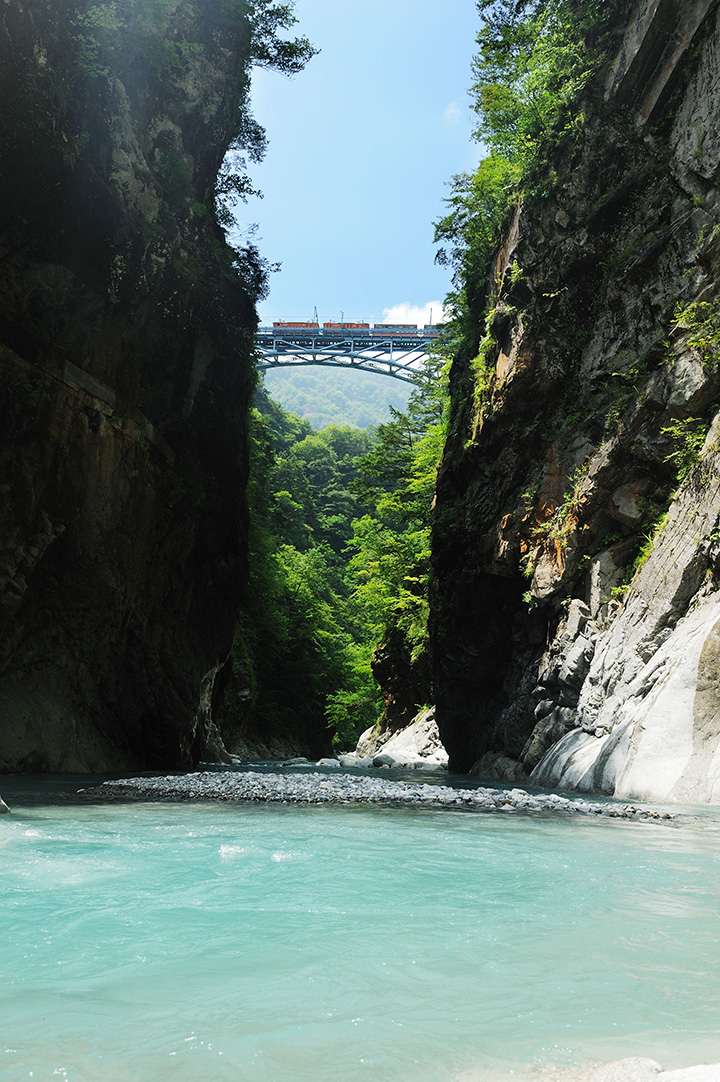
x=298 y=326
x=326 y=326
x=346 y=326
x=378 y=328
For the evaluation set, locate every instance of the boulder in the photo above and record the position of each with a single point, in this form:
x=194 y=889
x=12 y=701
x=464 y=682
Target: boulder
x=418 y=745
x=368 y=743
x=384 y=760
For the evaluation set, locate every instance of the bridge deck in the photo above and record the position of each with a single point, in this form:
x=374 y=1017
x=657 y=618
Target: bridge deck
x=386 y=351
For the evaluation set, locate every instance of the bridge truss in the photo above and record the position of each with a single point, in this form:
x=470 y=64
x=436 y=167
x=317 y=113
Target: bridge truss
x=396 y=354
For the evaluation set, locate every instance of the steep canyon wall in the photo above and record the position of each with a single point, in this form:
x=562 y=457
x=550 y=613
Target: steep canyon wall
x=576 y=609
x=125 y=371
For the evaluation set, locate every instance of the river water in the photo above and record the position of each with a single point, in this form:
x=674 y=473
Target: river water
x=205 y=943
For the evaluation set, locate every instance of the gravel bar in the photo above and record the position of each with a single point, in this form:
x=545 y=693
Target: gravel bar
x=247 y=786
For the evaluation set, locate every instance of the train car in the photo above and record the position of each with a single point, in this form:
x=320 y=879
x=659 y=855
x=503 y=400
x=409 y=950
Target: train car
x=395 y=328
x=335 y=327
x=296 y=326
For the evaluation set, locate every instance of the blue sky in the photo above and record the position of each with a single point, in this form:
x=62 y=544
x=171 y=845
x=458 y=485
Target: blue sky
x=362 y=144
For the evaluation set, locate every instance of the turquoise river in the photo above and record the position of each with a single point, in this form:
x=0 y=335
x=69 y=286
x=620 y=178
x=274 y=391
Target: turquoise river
x=221 y=943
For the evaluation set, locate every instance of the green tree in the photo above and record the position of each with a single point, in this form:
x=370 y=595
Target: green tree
x=391 y=542
x=340 y=562
x=301 y=651
x=532 y=72
x=531 y=67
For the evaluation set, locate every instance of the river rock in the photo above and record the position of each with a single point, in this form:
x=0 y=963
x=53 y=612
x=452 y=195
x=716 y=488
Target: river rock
x=4 y=810
x=367 y=745
x=313 y=788
x=383 y=760
x=494 y=765
x=704 y=1072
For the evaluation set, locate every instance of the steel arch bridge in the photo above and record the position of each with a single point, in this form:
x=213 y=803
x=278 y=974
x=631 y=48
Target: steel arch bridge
x=388 y=350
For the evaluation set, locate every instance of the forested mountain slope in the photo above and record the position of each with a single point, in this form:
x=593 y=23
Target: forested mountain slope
x=331 y=396
x=576 y=550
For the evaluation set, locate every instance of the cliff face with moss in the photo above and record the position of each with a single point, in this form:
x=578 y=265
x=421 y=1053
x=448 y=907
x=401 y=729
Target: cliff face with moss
x=576 y=612
x=125 y=331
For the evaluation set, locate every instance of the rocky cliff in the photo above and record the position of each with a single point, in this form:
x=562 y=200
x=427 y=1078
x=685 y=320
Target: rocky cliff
x=126 y=325
x=576 y=616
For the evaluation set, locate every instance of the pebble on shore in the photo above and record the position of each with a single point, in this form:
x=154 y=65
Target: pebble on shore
x=309 y=788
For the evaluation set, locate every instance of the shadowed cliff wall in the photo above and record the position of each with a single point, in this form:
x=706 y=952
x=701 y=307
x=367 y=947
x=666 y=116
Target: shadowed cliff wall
x=125 y=371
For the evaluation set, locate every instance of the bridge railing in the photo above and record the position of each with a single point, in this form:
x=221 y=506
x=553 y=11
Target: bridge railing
x=387 y=349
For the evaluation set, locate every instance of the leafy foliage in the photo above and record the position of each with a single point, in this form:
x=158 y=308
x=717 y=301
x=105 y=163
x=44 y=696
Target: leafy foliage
x=532 y=68
x=301 y=645
x=265 y=21
x=268 y=49
x=688 y=437
x=391 y=542
x=478 y=207
x=701 y=321
x=328 y=582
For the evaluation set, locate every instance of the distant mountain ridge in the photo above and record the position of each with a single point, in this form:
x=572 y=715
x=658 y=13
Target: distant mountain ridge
x=325 y=396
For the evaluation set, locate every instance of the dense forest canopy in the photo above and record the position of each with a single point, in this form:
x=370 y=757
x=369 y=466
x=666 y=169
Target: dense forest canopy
x=339 y=563
x=325 y=396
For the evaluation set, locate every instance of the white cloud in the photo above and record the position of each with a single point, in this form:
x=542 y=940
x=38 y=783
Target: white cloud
x=453 y=114
x=419 y=314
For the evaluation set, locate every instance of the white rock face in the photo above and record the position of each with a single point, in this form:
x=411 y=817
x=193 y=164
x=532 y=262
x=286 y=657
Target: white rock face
x=648 y=715
x=418 y=745
x=368 y=744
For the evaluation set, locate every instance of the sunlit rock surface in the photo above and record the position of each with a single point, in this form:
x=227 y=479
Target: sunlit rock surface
x=417 y=745
x=648 y=717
